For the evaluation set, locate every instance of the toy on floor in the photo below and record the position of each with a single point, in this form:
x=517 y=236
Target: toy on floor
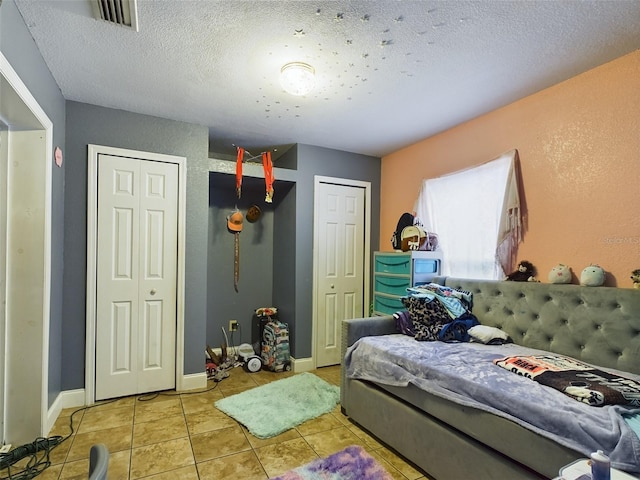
x=217 y=365
x=561 y=273
x=525 y=272
x=592 y=276
x=635 y=278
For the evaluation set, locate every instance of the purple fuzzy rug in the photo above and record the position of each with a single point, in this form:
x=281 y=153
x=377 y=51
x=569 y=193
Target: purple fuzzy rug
x=352 y=463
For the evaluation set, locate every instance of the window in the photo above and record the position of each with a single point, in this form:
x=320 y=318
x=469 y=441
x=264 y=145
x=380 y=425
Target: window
x=476 y=214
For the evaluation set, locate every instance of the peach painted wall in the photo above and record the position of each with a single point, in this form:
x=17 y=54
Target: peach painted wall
x=579 y=148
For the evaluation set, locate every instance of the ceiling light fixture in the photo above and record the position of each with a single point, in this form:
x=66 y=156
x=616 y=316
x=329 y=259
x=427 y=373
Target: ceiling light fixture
x=297 y=78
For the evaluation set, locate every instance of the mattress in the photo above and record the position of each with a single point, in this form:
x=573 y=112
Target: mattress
x=464 y=373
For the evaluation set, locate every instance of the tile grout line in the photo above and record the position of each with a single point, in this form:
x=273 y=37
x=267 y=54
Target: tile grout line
x=193 y=453
x=133 y=426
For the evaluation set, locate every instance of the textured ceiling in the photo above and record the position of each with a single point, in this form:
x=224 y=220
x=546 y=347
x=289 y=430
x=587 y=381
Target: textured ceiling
x=389 y=72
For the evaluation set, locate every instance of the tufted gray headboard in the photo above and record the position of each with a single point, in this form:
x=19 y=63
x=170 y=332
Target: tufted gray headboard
x=599 y=325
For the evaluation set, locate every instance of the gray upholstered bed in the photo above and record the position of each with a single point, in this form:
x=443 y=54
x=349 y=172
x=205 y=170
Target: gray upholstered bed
x=597 y=325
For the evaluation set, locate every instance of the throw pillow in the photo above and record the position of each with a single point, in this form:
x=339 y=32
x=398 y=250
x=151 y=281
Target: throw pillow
x=486 y=334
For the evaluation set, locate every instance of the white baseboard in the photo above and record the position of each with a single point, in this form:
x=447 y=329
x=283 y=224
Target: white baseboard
x=76 y=398
x=66 y=399
x=73 y=398
x=303 y=364
x=52 y=416
x=192 y=381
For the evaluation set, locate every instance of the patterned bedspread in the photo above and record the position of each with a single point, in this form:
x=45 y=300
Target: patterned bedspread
x=465 y=373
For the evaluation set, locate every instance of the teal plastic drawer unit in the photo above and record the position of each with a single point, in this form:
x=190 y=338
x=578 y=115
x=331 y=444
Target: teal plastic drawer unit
x=391 y=285
x=394 y=272
x=387 y=305
x=393 y=263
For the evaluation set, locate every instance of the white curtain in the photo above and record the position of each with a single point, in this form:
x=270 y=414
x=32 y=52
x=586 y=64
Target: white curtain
x=476 y=214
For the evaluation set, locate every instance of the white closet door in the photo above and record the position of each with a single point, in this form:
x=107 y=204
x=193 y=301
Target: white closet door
x=136 y=276
x=341 y=217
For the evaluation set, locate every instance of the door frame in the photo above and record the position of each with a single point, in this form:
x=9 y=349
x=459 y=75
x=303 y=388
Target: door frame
x=318 y=179
x=92 y=240
x=25 y=105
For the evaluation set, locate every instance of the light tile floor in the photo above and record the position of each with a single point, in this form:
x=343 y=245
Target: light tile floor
x=183 y=436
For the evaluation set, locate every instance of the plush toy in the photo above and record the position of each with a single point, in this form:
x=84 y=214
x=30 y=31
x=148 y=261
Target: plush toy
x=635 y=277
x=560 y=274
x=592 y=276
x=524 y=273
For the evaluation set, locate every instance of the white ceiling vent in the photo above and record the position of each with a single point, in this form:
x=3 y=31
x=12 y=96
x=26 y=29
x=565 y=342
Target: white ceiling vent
x=119 y=12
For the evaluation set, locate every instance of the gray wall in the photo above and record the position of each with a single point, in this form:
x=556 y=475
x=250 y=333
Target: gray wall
x=116 y=128
x=255 y=286
x=20 y=50
x=284 y=271
x=313 y=161
x=77 y=124
x=276 y=266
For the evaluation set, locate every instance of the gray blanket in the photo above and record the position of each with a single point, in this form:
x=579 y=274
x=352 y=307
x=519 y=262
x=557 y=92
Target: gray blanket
x=464 y=373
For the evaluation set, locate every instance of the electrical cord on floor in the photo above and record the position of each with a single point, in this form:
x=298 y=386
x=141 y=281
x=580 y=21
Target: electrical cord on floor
x=39 y=451
x=81 y=409
x=36 y=464
x=152 y=396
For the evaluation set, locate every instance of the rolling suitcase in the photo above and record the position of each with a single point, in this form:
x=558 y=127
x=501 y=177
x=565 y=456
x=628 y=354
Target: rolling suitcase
x=260 y=318
x=275 y=347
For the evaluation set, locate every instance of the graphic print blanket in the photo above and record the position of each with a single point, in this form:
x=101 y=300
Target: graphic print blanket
x=578 y=380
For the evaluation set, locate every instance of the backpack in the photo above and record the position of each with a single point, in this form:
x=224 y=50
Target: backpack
x=406 y=220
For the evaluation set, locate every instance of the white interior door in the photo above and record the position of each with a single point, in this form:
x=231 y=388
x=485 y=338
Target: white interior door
x=136 y=276
x=340 y=225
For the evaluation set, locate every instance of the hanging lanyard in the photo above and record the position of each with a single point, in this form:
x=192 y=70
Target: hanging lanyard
x=236 y=260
